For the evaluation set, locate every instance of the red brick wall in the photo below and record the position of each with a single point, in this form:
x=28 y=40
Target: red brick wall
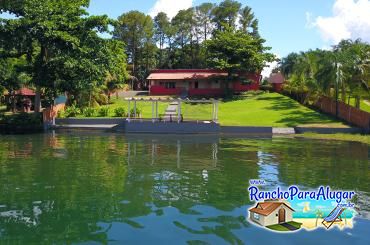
x=348 y=113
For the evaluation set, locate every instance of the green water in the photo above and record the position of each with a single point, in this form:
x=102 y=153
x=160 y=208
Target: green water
x=90 y=188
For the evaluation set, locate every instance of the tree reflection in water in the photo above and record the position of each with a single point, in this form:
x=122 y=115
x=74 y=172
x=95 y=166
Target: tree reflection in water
x=71 y=188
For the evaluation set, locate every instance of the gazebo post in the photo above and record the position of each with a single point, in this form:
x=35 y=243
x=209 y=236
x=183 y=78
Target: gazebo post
x=179 y=110
x=152 y=110
x=216 y=112
x=213 y=111
x=134 y=108
x=129 y=109
x=156 y=110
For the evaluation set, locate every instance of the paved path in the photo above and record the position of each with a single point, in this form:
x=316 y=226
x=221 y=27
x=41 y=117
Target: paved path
x=289 y=226
x=171 y=111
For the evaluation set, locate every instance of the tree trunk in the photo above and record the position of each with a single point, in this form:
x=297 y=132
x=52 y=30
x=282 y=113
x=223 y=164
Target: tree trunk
x=38 y=99
x=357 y=101
x=343 y=92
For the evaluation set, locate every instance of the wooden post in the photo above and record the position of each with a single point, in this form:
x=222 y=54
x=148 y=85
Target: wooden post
x=179 y=111
x=129 y=109
x=135 y=108
x=216 y=111
x=156 y=109
x=152 y=111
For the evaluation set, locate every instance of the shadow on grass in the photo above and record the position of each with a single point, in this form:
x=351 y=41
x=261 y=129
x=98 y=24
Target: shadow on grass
x=298 y=117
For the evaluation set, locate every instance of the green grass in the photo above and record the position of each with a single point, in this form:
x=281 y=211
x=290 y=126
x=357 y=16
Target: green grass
x=363 y=106
x=269 y=109
x=282 y=228
x=2 y=108
x=343 y=137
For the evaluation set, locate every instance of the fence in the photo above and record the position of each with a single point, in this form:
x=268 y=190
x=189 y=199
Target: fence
x=348 y=113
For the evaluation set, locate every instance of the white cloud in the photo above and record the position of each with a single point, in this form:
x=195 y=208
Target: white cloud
x=269 y=67
x=350 y=20
x=170 y=7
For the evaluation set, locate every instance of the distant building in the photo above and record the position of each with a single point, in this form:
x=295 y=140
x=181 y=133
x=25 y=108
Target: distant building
x=271 y=212
x=199 y=82
x=277 y=81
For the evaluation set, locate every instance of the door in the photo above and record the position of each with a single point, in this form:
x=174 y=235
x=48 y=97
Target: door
x=282 y=215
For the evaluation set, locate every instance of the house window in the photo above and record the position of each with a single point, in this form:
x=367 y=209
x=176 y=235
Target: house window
x=196 y=85
x=246 y=82
x=256 y=216
x=170 y=85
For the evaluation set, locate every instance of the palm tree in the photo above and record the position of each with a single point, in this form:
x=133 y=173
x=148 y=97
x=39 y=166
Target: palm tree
x=319 y=215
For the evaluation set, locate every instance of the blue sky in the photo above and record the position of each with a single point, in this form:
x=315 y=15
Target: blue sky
x=282 y=23
x=287 y=25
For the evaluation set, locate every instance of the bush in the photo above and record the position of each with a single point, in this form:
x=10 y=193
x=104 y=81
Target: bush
x=102 y=99
x=23 y=119
x=120 y=112
x=103 y=112
x=61 y=114
x=89 y=112
x=132 y=112
x=72 y=111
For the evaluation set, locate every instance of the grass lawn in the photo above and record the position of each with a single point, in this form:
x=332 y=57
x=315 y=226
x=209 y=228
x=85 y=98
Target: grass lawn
x=344 y=137
x=363 y=106
x=268 y=109
x=282 y=228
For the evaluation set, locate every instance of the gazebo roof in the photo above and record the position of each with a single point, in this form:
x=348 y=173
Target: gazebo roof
x=24 y=91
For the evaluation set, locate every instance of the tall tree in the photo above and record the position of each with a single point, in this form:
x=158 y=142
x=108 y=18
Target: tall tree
x=203 y=15
x=236 y=51
x=161 y=25
x=226 y=14
x=136 y=30
x=60 y=41
x=248 y=22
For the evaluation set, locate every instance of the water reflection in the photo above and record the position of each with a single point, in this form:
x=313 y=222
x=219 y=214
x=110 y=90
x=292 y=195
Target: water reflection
x=72 y=188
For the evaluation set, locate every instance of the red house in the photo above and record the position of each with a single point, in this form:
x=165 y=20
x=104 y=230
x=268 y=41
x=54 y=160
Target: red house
x=199 y=82
x=277 y=81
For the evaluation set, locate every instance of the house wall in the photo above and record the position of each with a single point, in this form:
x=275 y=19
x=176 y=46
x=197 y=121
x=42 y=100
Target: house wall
x=205 y=87
x=260 y=221
x=273 y=218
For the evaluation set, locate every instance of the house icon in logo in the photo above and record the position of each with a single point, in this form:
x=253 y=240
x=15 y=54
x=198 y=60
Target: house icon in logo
x=271 y=212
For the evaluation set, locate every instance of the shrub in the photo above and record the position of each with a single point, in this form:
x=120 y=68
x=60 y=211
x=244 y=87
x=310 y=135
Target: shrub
x=23 y=119
x=61 y=114
x=132 y=112
x=102 y=99
x=72 y=111
x=89 y=112
x=103 y=112
x=120 y=112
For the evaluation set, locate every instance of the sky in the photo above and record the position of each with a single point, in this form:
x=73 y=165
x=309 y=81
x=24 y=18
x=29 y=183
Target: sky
x=287 y=25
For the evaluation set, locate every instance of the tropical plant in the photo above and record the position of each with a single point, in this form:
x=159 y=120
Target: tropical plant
x=120 y=112
x=103 y=112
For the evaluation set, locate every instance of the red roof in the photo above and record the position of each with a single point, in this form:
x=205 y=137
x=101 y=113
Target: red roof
x=266 y=208
x=276 y=78
x=25 y=92
x=192 y=74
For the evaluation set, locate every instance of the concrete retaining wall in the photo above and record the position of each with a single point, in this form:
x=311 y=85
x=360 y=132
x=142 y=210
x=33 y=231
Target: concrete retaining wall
x=301 y=130
x=89 y=121
x=167 y=128
x=245 y=130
